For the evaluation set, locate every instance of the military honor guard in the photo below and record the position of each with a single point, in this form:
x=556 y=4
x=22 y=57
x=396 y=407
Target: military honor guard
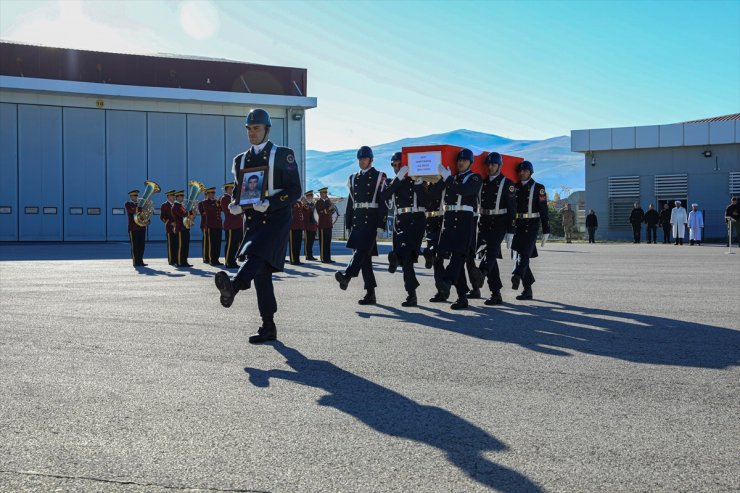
x=310 y=225
x=434 y=194
x=214 y=226
x=296 y=232
x=531 y=210
x=266 y=223
x=496 y=222
x=232 y=224
x=183 y=234
x=408 y=199
x=136 y=232
x=326 y=211
x=458 y=226
x=165 y=215
x=366 y=215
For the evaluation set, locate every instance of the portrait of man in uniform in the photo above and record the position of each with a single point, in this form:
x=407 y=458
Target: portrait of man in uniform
x=252 y=187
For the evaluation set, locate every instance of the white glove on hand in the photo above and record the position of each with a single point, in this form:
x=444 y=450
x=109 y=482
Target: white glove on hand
x=402 y=173
x=381 y=231
x=235 y=209
x=418 y=181
x=443 y=172
x=509 y=237
x=545 y=237
x=262 y=206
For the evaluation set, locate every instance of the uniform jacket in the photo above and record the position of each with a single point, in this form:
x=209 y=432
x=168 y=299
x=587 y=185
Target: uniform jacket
x=569 y=218
x=458 y=227
x=212 y=211
x=365 y=187
x=202 y=213
x=231 y=221
x=434 y=193
x=325 y=208
x=266 y=233
x=408 y=228
x=531 y=198
x=497 y=194
x=165 y=214
x=297 y=220
x=309 y=222
x=131 y=209
x=178 y=213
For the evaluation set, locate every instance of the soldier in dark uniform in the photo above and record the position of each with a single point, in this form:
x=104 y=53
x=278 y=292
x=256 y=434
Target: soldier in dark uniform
x=212 y=210
x=310 y=226
x=204 y=232
x=366 y=214
x=408 y=199
x=183 y=233
x=136 y=233
x=497 y=214
x=531 y=210
x=296 y=232
x=434 y=194
x=233 y=224
x=458 y=226
x=266 y=224
x=326 y=209
x=165 y=215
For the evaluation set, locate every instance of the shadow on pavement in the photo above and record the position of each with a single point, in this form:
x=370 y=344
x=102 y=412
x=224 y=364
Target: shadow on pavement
x=393 y=414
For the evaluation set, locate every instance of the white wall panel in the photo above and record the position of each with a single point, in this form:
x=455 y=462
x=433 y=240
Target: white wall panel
x=671 y=135
x=579 y=141
x=722 y=132
x=695 y=134
x=601 y=139
x=623 y=138
x=646 y=137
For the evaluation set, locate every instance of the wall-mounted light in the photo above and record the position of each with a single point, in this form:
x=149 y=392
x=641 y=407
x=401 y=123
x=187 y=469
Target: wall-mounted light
x=593 y=159
x=297 y=116
x=707 y=153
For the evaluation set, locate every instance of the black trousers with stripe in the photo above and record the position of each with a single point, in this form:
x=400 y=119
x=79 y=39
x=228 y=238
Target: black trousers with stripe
x=214 y=244
x=325 y=244
x=205 y=248
x=294 y=245
x=183 y=246
x=172 y=242
x=310 y=239
x=233 y=240
x=137 y=239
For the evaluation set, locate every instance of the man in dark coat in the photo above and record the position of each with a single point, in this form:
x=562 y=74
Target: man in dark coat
x=651 y=219
x=366 y=214
x=637 y=216
x=664 y=220
x=266 y=224
x=592 y=224
x=732 y=216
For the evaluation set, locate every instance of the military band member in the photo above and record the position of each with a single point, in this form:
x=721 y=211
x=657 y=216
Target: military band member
x=233 y=224
x=531 y=210
x=165 y=215
x=310 y=226
x=204 y=232
x=366 y=215
x=458 y=226
x=408 y=199
x=266 y=224
x=326 y=210
x=496 y=222
x=296 y=232
x=183 y=233
x=212 y=211
x=136 y=233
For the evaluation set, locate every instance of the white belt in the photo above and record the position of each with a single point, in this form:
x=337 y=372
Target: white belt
x=406 y=210
x=492 y=212
x=457 y=208
x=434 y=214
x=365 y=205
x=528 y=216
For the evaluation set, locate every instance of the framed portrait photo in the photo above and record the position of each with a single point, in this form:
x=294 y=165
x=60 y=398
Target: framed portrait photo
x=252 y=186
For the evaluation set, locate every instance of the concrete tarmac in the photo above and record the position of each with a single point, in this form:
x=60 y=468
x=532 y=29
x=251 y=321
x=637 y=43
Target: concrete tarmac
x=621 y=375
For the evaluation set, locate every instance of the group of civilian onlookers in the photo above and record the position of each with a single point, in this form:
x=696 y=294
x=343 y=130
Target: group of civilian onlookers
x=673 y=222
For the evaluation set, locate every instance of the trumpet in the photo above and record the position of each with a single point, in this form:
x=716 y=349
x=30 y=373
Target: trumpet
x=144 y=203
x=195 y=189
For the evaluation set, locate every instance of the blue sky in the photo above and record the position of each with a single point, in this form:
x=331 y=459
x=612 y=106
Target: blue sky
x=386 y=70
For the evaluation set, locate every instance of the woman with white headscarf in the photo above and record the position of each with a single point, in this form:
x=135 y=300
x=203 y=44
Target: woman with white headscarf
x=678 y=223
x=696 y=223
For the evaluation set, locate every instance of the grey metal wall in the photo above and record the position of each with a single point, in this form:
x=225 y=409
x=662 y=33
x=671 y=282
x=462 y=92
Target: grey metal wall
x=8 y=172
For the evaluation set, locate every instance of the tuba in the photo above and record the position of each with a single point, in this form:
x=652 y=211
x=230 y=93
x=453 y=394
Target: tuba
x=144 y=203
x=191 y=203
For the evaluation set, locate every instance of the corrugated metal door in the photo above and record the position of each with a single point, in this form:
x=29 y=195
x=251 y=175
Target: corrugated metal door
x=205 y=156
x=167 y=156
x=8 y=172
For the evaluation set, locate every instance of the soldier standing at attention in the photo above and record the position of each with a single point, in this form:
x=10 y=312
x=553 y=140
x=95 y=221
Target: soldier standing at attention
x=204 y=232
x=183 y=233
x=212 y=210
x=531 y=199
x=310 y=225
x=408 y=199
x=296 y=232
x=165 y=214
x=136 y=233
x=326 y=211
x=266 y=224
x=569 y=222
x=233 y=224
x=366 y=215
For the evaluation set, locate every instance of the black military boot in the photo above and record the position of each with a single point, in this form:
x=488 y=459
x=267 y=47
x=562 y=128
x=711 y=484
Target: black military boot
x=428 y=259
x=369 y=298
x=410 y=299
x=495 y=299
x=443 y=292
x=526 y=294
x=226 y=287
x=392 y=262
x=342 y=279
x=268 y=332
x=460 y=304
x=515 y=280
x=473 y=294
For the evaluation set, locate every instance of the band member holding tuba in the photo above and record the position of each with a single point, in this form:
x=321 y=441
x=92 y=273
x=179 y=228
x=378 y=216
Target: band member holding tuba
x=182 y=232
x=165 y=215
x=233 y=224
x=136 y=231
x=327 y=213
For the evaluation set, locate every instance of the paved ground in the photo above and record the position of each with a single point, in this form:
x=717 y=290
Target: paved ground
x=621 y=376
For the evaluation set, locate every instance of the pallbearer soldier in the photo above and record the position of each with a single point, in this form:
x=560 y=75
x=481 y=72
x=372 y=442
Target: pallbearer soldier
x=326 y=210
x=531 y=210
x=497 y=214
x=165 y=214
x=183 y=233
x=458 y=227
x=310 y=225
x=366 y=215
x=266 y=224
x=212 y=210
x=296 y=232
x=136 y=233
x=409 y=200
x=233 y=224
x=434 y=194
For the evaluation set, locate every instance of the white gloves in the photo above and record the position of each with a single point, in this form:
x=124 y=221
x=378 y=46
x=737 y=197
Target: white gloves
x=509 y=237
x=381 y=231
x=262 y=206
x=443 y=172
x=235 y=209
x=545 y=237
x=402 y=173
x=418 y=181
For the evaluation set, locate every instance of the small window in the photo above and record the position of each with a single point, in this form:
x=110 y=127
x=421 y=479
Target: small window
x=117 y=211
x=6 y=209
x=75 y=211
x=50 y=210
x=31 y=210
x=93 y=211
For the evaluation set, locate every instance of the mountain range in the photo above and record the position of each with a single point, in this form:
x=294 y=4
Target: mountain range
x=555 y=165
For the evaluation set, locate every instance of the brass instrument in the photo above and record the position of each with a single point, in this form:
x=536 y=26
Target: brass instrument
x=144 y=203
x=191 y=203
